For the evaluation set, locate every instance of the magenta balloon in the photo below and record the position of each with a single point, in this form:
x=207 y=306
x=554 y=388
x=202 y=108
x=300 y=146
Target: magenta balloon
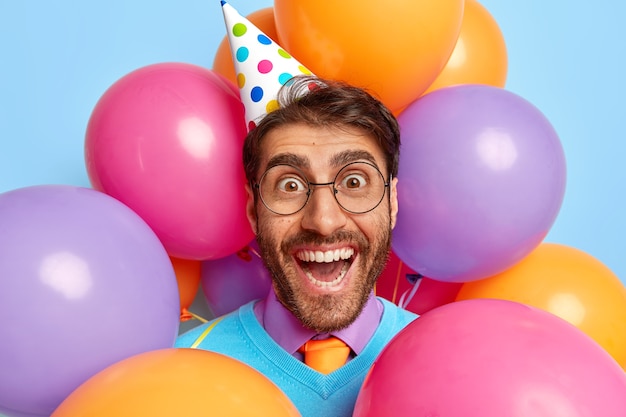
x=492 y=358
x=166 y=140
x=481 y=181
x=84 y=283
x=230 y=282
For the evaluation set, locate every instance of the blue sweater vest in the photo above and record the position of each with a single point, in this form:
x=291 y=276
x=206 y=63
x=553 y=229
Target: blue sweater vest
x=240 y=336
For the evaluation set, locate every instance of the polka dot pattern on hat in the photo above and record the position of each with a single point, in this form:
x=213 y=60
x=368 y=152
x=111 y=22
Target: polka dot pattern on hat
x=262 y=66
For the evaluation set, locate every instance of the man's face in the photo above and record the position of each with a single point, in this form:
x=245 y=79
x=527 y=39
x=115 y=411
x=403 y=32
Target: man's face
x=324 y=260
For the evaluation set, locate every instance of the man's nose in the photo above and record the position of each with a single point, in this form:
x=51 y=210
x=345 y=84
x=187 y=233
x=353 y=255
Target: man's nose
x=323 y=214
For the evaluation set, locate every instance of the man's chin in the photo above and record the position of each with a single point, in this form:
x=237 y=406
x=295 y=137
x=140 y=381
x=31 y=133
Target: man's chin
x=329 y=312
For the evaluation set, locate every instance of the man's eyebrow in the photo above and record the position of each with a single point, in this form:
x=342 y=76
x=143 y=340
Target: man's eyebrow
x=343 y=158
x=336 y=161
x=288 y=159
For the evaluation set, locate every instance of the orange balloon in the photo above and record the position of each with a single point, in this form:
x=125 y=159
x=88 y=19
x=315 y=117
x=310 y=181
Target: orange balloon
x=223 y=61
x=177 y=382
x=568 y=283
x=479 y=56
x=188 y=278
x=394 y=48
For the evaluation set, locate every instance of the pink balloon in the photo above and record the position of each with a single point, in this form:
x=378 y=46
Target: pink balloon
x=166 y=140
x=481 y=181
x=230 y=282
x=492 y=358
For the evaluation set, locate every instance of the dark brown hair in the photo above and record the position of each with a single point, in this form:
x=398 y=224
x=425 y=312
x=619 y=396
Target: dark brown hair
x=319 y=102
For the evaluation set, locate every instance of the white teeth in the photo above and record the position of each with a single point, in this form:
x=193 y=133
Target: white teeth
x=325 y=257
x=324 y=284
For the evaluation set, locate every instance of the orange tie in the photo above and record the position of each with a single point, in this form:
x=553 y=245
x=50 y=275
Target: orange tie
x=325 y=355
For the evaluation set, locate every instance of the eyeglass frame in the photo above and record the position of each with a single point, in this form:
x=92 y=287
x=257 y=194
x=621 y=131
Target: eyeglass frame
x=386 y=184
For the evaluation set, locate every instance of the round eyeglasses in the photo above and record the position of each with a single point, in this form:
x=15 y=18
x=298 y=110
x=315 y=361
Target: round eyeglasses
x=358 y=187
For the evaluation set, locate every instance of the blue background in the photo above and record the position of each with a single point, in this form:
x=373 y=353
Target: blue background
x=59 y=57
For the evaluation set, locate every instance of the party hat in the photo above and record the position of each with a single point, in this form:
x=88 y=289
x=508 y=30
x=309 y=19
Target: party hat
x=262 y=66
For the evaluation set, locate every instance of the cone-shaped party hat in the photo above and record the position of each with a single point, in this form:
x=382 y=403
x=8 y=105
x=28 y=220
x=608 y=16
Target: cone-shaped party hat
x=262 y=66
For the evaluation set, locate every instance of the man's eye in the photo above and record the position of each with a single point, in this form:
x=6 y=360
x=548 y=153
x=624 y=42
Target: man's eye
x=291 y=185
x=354 y=182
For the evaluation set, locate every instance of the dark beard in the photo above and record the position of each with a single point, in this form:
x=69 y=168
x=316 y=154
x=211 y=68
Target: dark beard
x=330 y=312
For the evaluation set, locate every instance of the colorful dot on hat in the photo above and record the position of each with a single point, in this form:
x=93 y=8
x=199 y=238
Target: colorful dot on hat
x=265 y=66
x=239 y=29
x=251 y=125
x=271 y=106
x=304 y=70
x=242 y=54
x=284 y=77
x=283 y=53
x=256 y=94
x=264 y=40
x=241 y=80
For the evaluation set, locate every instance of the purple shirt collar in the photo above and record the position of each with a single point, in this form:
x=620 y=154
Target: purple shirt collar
x=289 y=333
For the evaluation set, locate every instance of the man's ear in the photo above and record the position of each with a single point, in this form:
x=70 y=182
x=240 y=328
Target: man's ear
x=393 y=197
x=251 y=208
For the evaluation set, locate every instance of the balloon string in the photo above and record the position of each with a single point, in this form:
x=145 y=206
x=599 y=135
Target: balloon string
x=254 y=252
x=404 y=303
x=197 y=317
x=206 y=331
x=397 y=283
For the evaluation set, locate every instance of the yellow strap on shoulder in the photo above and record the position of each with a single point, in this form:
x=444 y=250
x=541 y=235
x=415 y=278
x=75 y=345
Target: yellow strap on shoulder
x=205 y=333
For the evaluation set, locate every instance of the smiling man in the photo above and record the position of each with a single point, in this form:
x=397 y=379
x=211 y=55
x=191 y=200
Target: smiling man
x=322 y=203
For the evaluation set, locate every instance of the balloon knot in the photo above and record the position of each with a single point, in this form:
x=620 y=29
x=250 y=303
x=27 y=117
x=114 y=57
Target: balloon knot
x=185 y=315
x=413 y=278
x=245 y=254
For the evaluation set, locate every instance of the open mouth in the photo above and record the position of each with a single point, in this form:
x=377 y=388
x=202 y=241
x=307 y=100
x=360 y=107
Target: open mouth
x=325 y=269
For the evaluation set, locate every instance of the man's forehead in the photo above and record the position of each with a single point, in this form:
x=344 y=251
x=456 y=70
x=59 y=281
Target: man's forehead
x=306 y=146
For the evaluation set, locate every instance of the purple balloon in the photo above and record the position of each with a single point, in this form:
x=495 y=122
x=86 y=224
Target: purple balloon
x=481 y=181
x=230 y=282
x=84 y=283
